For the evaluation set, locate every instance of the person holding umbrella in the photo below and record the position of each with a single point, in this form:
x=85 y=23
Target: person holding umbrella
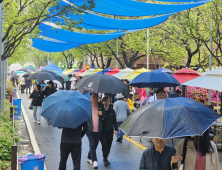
x=37 y=99
x=27 y=85
x=200 y=153
x=95 y=127
x=71 y=143
x=157 y=157
x=122 y=110
x=50 y=89
x=109 y=123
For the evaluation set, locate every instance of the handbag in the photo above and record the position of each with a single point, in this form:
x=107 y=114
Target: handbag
x=184 y=154
x=31 y=106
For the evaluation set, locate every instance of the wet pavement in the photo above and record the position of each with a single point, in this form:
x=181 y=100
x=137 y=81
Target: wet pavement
x=125 y=156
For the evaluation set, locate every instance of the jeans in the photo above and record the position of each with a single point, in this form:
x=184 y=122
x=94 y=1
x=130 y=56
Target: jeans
x=65 y=150
x=37 y=113
x=120 y=132
x=93 y=138
x=22 y=88
x=106 y=140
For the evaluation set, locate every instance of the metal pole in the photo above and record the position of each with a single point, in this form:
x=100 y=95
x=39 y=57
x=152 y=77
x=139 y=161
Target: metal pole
x=4 y=80
x=14 y=157
x=1 y=52
x=148 y=32
x=210 y=59
x=117 y=52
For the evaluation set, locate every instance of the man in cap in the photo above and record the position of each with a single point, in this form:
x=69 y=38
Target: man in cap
x=121 y=109
x=50 y=89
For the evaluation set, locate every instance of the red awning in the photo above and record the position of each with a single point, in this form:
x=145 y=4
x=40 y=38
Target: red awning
x=185 y=75
x=113 y=71
x=80 y=71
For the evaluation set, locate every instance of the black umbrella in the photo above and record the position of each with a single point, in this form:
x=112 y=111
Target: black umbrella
x=41 y=77
x=102 y=83
x=23 y=69
x=59 y=78
x=14 y=75
x=27 y=74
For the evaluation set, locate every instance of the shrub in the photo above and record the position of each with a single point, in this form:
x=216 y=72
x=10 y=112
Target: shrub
x=10 y=89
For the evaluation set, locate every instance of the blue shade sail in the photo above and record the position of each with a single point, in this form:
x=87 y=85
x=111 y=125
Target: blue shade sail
x=93 y=21
x=135 y=8
x=76 y=37
x=52 y=46
x=179 y=0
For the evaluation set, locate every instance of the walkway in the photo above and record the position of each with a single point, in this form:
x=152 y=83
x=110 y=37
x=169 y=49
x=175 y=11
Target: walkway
x=125 y=156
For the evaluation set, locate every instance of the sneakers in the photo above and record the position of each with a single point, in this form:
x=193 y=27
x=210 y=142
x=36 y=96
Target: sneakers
x=89 y=161
x=95 y=165
x=39 y=123
x=34 y=121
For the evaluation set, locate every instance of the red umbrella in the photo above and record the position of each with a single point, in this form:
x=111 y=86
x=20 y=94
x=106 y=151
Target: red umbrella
x=185 y=75
x=113 y=71
x=80 y=71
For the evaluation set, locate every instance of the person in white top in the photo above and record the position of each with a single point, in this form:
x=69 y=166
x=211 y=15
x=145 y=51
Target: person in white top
x=73 y=82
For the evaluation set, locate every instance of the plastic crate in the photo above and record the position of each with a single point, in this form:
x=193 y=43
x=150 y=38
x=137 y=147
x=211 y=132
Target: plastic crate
x=17 y=103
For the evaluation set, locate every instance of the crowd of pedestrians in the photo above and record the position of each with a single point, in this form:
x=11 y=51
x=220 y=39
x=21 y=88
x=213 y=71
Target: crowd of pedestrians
x=107 y=114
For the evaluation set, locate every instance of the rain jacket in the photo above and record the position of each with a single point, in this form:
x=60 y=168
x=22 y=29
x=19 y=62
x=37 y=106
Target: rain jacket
x=212 y=162
x=130 y=103
x=90 y=123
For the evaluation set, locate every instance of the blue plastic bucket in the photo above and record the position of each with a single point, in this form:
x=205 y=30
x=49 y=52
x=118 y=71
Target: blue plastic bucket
x=15 y=91
x=33 y=162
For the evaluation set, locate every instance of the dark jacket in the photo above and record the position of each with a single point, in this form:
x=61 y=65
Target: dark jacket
x=48 y=91
x=37 y=98
x=28 y=82
x=90 y=124
x=110 y=122
x=74 y=135
x=153 y=160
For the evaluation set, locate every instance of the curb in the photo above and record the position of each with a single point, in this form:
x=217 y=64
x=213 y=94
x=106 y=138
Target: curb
x=34 y=143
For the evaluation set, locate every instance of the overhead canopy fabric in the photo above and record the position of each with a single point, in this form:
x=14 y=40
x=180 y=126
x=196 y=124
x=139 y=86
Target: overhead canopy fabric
x=135 y=73
x=123 y=72
x=52 y=46
x=104 y=23
x=135 y=8
x=53 y=67
x=179 y=0
x=76 y=37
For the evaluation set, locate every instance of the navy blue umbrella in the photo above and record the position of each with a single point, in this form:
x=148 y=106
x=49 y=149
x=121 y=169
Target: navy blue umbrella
x=154 y=79
x=66 y=109
x=170 y=118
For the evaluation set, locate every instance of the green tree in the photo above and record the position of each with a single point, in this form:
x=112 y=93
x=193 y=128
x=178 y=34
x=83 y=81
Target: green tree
x=21 y=20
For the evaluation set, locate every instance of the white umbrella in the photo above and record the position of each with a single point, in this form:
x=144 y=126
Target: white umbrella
x=209 y=80
x=14 y=67
x=86 y=72
x=59 y=85
x=123 y=72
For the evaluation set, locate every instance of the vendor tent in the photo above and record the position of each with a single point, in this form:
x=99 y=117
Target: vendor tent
x=15 y=67
x=30 y=68
x=53 y=67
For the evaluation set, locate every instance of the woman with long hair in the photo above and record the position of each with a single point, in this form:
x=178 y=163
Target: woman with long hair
x=200 y=154
x=37 y=99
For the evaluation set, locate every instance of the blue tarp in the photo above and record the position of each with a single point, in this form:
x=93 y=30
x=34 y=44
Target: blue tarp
x=104 y=23
x=135 y=8
x=53 y=67
x=30 y=68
